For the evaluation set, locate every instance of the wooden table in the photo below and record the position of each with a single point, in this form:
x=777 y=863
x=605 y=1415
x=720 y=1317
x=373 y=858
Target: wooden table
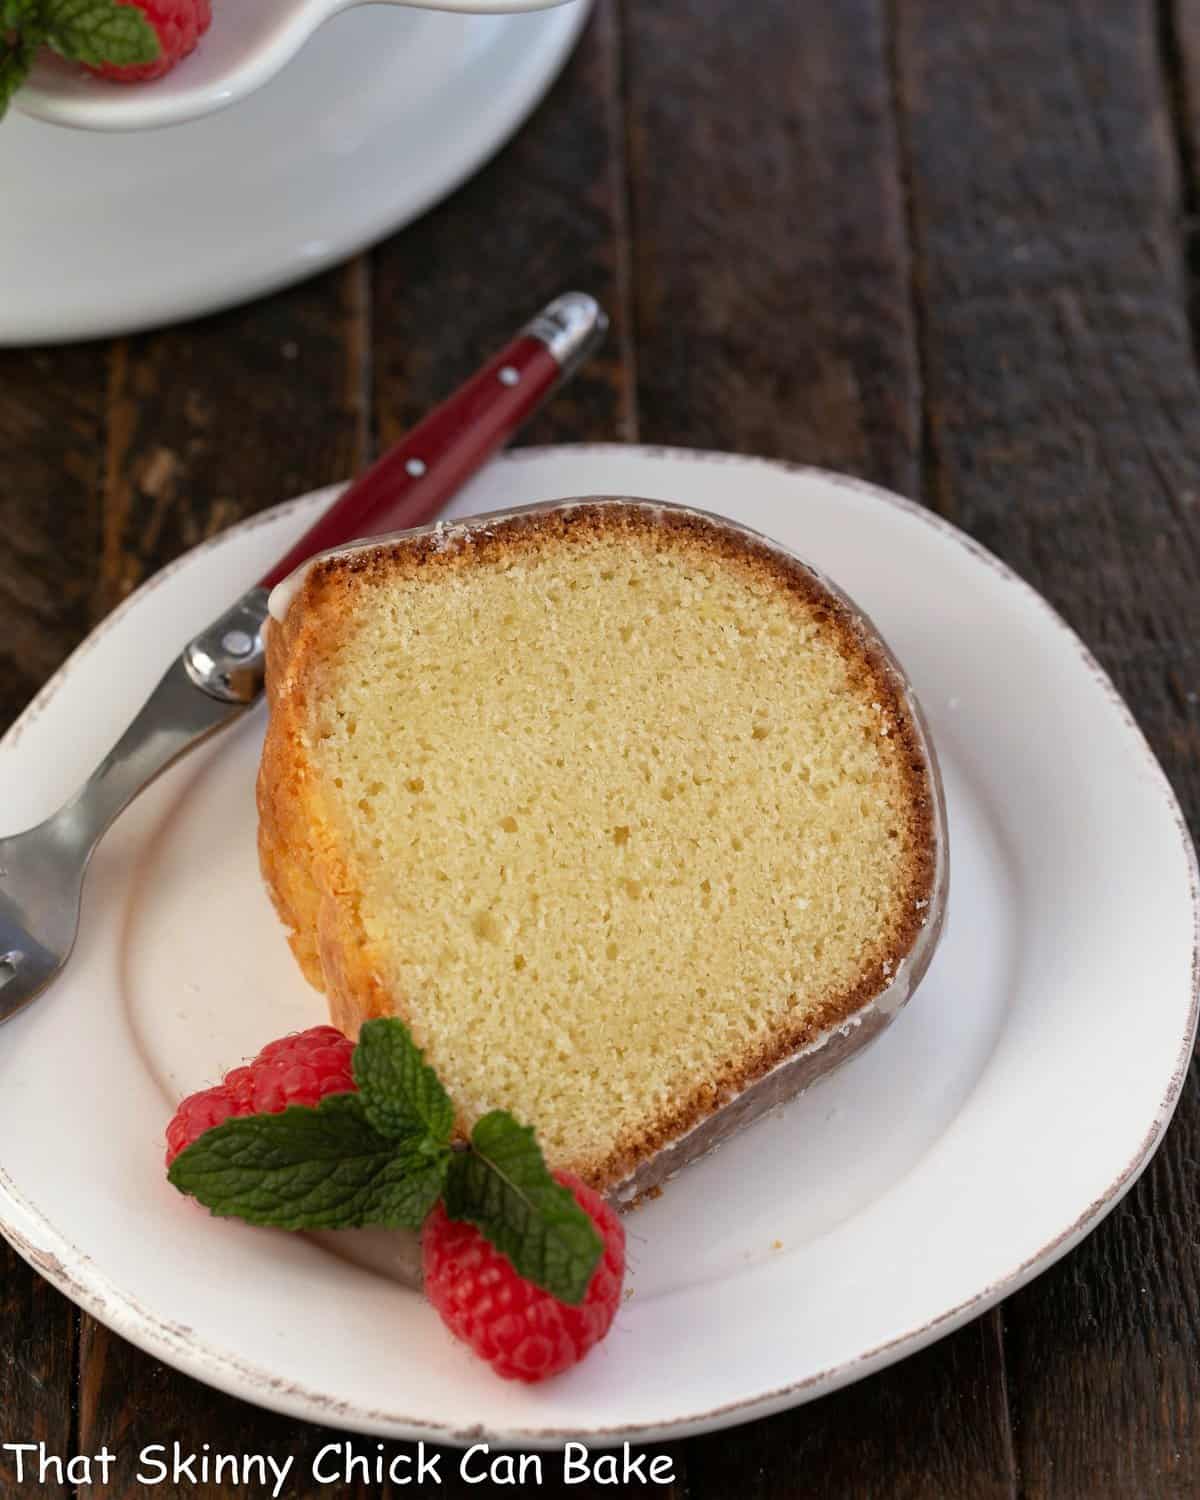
x=950 y=247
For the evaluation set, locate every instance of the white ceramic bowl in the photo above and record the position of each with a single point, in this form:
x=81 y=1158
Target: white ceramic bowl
x=248 y=42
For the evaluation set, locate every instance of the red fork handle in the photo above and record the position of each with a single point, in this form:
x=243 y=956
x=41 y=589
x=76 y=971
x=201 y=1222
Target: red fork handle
x=412 y=482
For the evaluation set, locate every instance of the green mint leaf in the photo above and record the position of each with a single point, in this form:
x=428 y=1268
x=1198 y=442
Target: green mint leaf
x=323 y=1168
x=400 y=1092
x=99 y=31
x=503 y=1187
x=17 y=51
x=15 y=15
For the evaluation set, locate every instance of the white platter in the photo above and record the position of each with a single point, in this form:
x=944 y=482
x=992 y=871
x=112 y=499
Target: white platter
x=1003 y=1114
x=382 y=113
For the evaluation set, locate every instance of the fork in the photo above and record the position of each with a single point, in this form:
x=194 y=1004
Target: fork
x=219 y=673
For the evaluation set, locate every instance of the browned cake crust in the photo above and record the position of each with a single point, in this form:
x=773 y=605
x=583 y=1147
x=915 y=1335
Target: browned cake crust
x=314 y=893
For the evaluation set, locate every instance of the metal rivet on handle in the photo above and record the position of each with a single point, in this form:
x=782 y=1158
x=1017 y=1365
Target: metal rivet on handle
x=509 y=376
x=237 y=643
x=415 y=467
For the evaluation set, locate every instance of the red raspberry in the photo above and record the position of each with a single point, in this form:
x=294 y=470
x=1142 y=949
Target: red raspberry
x=297 y=1069
x=522 y=1332
x=179 y=23
x=198 y=1113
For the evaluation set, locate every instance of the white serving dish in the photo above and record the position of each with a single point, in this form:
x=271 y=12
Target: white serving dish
x=245 y=46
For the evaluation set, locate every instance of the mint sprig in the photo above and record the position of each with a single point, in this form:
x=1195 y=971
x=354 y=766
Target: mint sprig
x=16 y=58
x=502 y=1186
x=323 y=1168
x=99 y=31
x=84 y=31
x=401 y=1093
x=383 y=1156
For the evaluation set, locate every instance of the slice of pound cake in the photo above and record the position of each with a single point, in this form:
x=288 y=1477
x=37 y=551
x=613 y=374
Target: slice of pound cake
x=622 y=808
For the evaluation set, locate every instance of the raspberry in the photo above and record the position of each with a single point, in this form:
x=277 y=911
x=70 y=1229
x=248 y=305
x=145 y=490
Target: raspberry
x=298 y=1069
x=179 y=24
x=198 y=1113
x=522 y=1332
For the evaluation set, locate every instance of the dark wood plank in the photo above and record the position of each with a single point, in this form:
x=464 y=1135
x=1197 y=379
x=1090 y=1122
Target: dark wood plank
x=1179 y=43
x=51 y=426
x=217 y=419
x=547 y=216
x=37 y=1370
x=859 y=1441
x=772 y=295
x=1062 y=397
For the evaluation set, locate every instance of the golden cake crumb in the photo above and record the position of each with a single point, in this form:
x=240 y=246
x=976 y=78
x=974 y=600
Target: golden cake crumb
x=616 y=811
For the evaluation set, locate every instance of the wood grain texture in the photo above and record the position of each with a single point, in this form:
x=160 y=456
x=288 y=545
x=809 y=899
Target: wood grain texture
x=1062 y=398
x=214 y=420
x=51 y=425
x=1179 y=42
x=934 y=1429
x=547 y=216
x=37 y=1364
x=772 y=275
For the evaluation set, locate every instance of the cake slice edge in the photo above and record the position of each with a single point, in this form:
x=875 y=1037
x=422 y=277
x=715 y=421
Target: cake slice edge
x=314 y=892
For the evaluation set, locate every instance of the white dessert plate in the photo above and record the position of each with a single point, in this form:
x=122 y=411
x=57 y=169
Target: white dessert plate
x=244 y=48
x=999 y=1119
x=382 y=112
